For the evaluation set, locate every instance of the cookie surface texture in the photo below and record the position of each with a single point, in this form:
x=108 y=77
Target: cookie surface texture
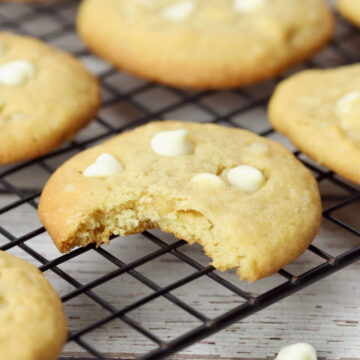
x=205 y=44
x=350 y=9
x=245 y=199
x=33 y=325
x=319 y=110
x=46 y=96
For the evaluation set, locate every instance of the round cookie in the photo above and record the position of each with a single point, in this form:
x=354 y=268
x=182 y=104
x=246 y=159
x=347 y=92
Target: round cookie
x=350 y=9
x=319 y=110
x=46 y=96
x=33 y=324
x=246 y=199
x=205 y=44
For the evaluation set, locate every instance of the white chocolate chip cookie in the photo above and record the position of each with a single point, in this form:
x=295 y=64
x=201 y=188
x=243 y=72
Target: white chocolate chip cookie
x=46 y=96
x=33 y=324
x=247 y=200
x=206 y=44
x=319 y=110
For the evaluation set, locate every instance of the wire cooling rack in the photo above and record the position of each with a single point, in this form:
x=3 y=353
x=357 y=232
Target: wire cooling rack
x=130 y=102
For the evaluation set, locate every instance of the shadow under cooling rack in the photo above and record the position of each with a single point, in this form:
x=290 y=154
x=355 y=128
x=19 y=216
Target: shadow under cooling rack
x=139 y=261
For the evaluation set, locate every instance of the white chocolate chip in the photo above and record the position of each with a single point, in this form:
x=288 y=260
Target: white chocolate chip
x=179 y=11
x=260 y=148
x=105 y=165
x=344 y=105
x=297 y=352
x=347 y=109
x=207 y=178
x=16 y=72
x=247 y=6
x=172 y=143
x=246 y=178
x=18 y=116
x=69 y=188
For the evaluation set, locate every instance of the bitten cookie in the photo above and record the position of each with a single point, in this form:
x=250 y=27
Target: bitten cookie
x=33 y=325
x=245 y=199
x=319 y=110
x=46 y=96
x=205 y=44
x=350 y=9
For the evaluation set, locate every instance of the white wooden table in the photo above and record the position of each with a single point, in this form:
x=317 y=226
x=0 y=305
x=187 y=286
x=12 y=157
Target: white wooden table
x=326 y=314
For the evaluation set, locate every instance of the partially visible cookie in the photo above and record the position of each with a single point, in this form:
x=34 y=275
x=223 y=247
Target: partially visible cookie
x=247 y=200
x=33 y=324
x=205 y=44
x=319 y=110
x=350 y=9
x=46 y=96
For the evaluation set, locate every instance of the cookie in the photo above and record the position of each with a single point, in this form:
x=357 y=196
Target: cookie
x=33 y=325
x=319 y=110
x=350 y=9
x=46 y=96
x=205 y=44
x=247 y=200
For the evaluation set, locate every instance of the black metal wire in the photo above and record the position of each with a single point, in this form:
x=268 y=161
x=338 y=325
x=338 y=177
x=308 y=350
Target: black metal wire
x=249 y=303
